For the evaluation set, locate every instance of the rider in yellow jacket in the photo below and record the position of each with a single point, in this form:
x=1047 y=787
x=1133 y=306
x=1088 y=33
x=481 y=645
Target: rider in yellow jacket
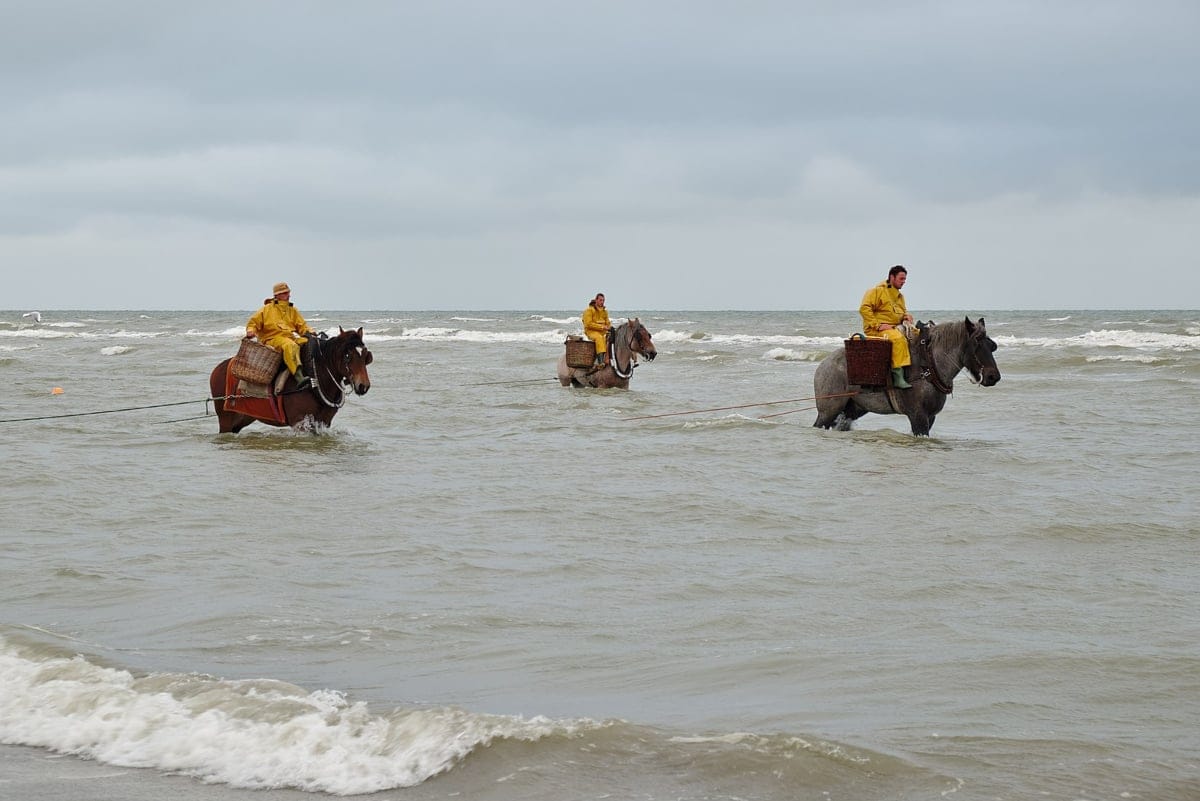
x=596 y=326
x=279 y=324
x=882 y=310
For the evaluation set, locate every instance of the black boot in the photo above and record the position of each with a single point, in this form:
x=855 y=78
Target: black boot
x=302 y=381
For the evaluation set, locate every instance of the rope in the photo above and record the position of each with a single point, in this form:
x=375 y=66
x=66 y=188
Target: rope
x=513 y=383
x=113 y=411
x=742 y=406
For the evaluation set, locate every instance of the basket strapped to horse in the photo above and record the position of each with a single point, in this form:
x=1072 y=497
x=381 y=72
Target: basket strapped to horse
x=581 y=352
x=256 y=363
x=868 y=360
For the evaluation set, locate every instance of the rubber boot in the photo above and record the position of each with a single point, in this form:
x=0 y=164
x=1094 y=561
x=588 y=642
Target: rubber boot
x=302 y=381
x=898 y=379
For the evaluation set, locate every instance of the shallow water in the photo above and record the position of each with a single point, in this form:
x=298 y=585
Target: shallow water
x=478 y=582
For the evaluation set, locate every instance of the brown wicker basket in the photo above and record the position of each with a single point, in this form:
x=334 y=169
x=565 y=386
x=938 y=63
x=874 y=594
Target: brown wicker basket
x=868 y=360
x=581 y=352
x=256 y=362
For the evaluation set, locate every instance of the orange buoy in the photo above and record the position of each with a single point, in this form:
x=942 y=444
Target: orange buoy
x=56 y=391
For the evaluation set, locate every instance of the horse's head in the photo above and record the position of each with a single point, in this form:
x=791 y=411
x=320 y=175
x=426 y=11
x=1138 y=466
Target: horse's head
x=640 y=341
x=978 y=352
x=349 y=360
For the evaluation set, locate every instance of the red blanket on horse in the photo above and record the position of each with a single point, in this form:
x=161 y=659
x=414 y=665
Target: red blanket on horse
x=269 y=409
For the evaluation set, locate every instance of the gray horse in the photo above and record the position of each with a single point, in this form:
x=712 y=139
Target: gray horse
x=627 y=341
x=943 y=350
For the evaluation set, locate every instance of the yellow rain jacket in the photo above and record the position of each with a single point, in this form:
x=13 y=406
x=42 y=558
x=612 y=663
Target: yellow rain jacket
x=596 y=325
x=885 y=304
x=280 y=325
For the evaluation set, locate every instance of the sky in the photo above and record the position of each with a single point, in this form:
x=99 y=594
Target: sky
x=527 y=154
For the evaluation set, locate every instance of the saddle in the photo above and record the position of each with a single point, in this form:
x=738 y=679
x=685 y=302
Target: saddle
x=264 y=399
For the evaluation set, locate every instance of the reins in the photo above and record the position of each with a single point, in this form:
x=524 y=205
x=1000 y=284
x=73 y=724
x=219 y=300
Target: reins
x=616 y=363
x=316 y=384
x=929 y=369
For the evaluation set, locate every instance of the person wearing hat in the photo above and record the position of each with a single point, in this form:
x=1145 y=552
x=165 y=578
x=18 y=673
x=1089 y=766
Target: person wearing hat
x=278 y=324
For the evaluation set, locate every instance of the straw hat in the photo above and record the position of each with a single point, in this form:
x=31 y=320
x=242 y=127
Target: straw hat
x=280 y=288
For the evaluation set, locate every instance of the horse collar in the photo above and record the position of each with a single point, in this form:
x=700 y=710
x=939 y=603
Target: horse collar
x=929 y=369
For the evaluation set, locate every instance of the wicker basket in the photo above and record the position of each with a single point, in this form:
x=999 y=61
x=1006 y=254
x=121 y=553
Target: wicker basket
x=581 y=352
x=256 y=362
x=868 y=360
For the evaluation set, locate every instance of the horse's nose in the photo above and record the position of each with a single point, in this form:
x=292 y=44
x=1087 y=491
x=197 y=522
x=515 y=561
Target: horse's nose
x=991 y=377
x=650 y=355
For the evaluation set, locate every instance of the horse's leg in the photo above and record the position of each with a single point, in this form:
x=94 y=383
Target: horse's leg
x=829 y=387
x=920 y=422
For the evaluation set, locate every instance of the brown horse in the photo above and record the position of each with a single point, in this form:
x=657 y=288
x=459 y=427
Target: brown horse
x=336 y=362
x=624 y=344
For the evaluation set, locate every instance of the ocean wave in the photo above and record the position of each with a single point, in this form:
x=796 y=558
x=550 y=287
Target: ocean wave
x=790 y=355
x=1109 y=338
x=256 y=734
x=440 y=334
x=270 y=734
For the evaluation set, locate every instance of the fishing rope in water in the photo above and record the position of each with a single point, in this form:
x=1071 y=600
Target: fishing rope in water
x=110 y=411
x=742 y=406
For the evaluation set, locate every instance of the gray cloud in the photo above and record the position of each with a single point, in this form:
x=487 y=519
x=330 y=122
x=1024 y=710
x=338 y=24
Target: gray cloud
x=513 y=138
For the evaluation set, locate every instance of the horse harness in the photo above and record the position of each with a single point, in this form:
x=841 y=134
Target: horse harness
x=928 y=364
x=633 y=362
x=314 y=352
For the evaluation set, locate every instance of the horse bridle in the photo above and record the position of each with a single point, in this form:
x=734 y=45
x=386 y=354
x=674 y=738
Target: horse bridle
x=633 y=351
x=977 y=370
x=338 y=381
x=929 y=370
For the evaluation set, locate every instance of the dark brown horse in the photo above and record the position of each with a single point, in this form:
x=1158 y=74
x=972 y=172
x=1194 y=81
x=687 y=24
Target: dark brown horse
x=337 y=362
x=626 y=342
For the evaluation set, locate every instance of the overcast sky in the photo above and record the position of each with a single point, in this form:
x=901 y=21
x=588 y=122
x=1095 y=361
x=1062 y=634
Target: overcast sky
x=525 y=154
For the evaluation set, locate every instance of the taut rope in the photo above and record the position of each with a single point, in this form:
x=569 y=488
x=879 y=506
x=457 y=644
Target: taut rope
x=743 y=406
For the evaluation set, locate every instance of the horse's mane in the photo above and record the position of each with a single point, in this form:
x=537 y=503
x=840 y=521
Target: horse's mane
x=953 y=336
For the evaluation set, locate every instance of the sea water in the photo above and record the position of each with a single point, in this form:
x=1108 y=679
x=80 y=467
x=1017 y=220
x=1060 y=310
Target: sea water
x=476 y=583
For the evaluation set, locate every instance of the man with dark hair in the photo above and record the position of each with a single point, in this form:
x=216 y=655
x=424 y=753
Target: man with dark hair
x=883 y=310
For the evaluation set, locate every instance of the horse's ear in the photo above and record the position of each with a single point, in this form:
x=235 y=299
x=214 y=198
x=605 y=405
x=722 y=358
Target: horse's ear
x=970 y=325
x=341 y=330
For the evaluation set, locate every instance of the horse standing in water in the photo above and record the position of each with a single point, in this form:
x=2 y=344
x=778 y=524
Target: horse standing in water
x=338 y=362
x=942 y=352
x=628 y=340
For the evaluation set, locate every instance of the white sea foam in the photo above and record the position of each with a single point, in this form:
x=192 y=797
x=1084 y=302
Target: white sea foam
x=41 y=332
x=790 y=355
x=253 y=734
x=774 y=339
x=470 y=335
x=1110 y=338
x=115 y=350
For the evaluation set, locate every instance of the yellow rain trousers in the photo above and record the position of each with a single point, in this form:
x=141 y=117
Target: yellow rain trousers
x=885 y=304
x=278 y=324
x=595 y=327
